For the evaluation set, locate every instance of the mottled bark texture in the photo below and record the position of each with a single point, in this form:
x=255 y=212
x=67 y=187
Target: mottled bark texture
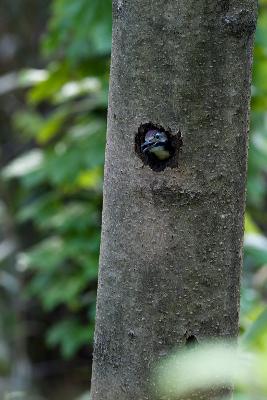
x=172 y=240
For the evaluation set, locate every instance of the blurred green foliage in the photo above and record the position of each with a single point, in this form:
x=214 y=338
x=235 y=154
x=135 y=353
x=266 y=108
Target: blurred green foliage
x=210 y=370
x=254 y=289
x=59 y=176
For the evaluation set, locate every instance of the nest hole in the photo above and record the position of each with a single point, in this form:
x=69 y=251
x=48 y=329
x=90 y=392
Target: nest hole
x=191 y=341
x=175 y=143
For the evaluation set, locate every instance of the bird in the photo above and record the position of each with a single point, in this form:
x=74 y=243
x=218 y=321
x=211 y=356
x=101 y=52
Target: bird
x=156 y=143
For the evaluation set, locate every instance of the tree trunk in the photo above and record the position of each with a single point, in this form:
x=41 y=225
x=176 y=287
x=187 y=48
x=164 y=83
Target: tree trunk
x=172 y=233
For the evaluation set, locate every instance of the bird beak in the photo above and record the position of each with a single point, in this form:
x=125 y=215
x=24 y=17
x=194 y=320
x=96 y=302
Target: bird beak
x=145 y=146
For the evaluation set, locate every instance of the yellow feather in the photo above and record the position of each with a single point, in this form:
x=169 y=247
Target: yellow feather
x=160 y=152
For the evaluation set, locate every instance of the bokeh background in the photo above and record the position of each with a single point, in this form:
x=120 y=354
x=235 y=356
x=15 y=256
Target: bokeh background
x=54 y=73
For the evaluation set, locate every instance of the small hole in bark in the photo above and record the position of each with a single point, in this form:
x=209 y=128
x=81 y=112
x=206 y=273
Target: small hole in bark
x=191 y=341
x=120 y=5
x=131 y=334
x=173 y=146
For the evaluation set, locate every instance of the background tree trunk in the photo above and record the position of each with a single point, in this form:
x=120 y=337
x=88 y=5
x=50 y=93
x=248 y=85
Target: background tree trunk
x=172 y=240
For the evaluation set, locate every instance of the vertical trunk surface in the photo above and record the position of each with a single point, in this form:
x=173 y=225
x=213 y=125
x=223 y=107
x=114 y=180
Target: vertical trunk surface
x=172 y=239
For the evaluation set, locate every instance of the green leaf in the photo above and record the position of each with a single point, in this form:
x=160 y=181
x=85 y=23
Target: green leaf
x=206 y=366
x=70 y=335
x=256 y=330
x=25 y=164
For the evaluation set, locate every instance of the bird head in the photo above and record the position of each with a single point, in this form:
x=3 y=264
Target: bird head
x=153 y=139
x=157 y=144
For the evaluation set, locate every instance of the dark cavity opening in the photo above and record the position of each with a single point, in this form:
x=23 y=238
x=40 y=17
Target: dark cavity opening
x=175 y=143
x=191 y=341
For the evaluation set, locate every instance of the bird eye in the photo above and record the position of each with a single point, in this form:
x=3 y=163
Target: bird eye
x=157 y=135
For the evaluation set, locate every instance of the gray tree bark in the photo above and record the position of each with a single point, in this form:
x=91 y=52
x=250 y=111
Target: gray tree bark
x=172 y=238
